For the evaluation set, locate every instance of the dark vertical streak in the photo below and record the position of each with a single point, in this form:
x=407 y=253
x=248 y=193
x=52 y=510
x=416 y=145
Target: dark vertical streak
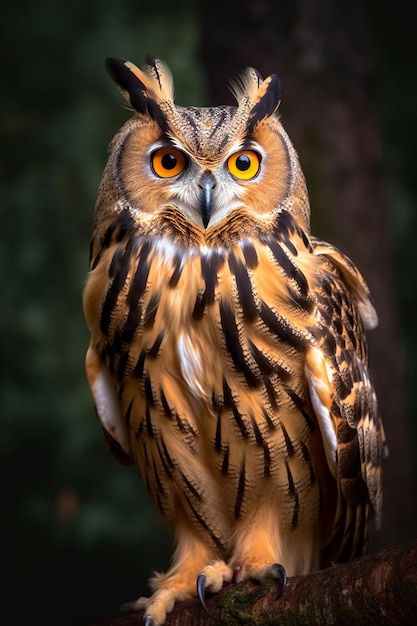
x=192 y=489
x=280 y=327
x=288 y=442
x=176 y=274
x=151 y=310
x=149 y=391
x=230 y=404
x=158 y=480
x=218 y=438
x=164 y=402
x=149 y=425
x=108 y=235
x=199 y=306
x=154 y=349
x=210 y=265
x=136 y=290
x=216 y=541
x=244 y=288
x=307 y=457
x=300 y=405
x=128 y=412
x=265 y=365
x=126 y=224
x=118 y=270
x=293 y=492
x=124 y=357
x=165 y=459
x=249 y=252
x=233 y=345
x=138 y=371
x=145 y=454
x=221 y=119
x=132 y=323
x=270 y=390
x=140 y=279
x=262 y=444
x=225 y=464
x=139 y=431
x=268 y=419
x=240 y=490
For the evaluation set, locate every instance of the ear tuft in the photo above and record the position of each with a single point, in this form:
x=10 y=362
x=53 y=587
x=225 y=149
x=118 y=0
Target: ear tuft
x=144 y=90
x=246 y=85
x=261 y=97
x=129 y=83
x=268 y=100
x=160 y=72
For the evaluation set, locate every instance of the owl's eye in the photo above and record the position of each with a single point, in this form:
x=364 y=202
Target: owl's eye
x=244 y=164
x=168 y=162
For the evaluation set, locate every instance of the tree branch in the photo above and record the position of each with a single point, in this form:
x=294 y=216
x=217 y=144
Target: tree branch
x=375 y=589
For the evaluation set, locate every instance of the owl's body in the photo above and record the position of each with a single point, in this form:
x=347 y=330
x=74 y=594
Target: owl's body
x=227 y=355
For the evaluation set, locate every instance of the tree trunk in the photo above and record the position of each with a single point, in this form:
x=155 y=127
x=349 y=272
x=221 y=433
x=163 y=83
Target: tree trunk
x=324 y=53
x=378 y=589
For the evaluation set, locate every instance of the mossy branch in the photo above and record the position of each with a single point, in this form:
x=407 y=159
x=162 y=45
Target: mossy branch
x=375 y=589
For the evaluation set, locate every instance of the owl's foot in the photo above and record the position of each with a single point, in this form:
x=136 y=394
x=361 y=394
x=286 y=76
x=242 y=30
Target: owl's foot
x=178 y=584
x=215 y=575
x=212 y=578
x=160 y=603
x=275 y=571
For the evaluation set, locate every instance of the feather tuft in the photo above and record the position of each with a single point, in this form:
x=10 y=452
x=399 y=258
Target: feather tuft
x=246 y=85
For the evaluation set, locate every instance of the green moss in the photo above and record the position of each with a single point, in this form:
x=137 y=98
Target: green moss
x=236 y=604
x=236 y=608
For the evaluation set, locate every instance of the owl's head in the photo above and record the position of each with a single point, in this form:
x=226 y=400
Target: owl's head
x=206 y=174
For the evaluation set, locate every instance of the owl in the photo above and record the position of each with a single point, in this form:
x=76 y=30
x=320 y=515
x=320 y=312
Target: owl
x=228 y=358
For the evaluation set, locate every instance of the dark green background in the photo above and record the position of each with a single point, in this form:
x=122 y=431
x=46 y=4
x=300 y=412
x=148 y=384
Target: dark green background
x=78 y=535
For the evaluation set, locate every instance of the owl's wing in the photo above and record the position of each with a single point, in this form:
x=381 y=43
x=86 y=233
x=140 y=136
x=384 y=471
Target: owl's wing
x=341 y=391
x=352 y=279
x=107 y=407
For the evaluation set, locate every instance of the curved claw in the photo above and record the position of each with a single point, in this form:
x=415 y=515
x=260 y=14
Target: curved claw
x=279 y=573
x=148 y=621
x=201 y=590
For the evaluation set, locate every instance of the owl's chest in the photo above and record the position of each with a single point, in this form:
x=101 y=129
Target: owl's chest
x=201 y=316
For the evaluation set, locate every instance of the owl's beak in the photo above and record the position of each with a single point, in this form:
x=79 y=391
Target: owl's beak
x=207 y=184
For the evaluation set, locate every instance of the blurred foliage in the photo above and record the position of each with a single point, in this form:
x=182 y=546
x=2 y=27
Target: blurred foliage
x=79 y=537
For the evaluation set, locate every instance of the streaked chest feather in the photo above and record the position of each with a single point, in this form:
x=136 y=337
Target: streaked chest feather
x=187 y=307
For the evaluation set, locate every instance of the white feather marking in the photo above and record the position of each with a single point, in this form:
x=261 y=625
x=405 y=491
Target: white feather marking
x=191 y=365
x=319 y=377
x=105 y=400
x=368 y=314
x=165 y=248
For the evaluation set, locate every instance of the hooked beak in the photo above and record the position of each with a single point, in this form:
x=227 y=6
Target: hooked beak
x=207 y=184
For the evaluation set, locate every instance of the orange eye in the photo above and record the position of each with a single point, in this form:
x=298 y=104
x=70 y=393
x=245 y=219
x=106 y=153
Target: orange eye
x=168 y=162
x=244 y=164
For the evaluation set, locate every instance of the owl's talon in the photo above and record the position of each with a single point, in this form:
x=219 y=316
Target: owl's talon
x=201 y=590
x=280 y=575
x=148 y=621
